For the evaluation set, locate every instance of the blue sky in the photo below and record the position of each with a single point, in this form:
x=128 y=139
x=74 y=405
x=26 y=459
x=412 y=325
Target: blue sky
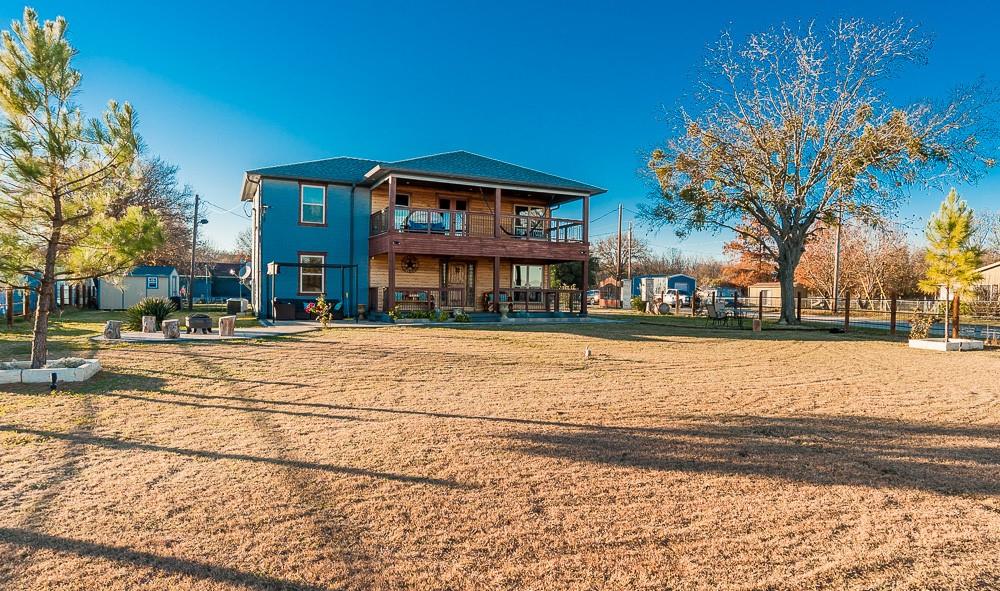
x=569 y=88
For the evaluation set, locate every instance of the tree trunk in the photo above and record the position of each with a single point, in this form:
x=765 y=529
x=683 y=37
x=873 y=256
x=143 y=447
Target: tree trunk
x=789 y=254
x=46 y=289
x=40 y=334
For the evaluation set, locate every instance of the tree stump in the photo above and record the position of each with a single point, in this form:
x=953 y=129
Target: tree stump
x=113 y=329
x=149 y=324
x=227 y=326
x=171 y=329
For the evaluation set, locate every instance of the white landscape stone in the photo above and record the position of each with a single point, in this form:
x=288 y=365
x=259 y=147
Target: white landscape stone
x=951 y=345
x=85 y=371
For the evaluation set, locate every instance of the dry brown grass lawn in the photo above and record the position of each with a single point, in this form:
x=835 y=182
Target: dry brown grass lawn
x=464 y=458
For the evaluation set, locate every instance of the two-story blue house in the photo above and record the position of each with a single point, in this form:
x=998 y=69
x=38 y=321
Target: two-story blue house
x=453 y=230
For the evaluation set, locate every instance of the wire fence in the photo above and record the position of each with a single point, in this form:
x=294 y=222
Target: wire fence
x=974 y=318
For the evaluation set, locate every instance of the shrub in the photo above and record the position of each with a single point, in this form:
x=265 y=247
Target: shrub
x=637 y=304
x=158 y=307
x=920 y=324
x=462 y=317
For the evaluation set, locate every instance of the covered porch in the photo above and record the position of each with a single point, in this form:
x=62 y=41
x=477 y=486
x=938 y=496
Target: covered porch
x=470 y=284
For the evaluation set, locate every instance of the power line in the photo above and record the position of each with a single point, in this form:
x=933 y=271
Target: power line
x=229 y=211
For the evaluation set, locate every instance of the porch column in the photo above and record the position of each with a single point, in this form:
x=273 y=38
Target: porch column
x=391 y=211
x=390 y=296
x=496 y=278
x=496 y=213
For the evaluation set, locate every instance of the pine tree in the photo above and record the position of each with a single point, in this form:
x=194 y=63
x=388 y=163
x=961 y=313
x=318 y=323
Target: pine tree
x=951 y=258
x=60 y=173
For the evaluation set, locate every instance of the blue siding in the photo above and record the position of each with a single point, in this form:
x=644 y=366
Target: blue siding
x=282 y=238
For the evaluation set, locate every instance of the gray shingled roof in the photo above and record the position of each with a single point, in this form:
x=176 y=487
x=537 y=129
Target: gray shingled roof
x=468 y=165
x=458 y=164
x=342 y=169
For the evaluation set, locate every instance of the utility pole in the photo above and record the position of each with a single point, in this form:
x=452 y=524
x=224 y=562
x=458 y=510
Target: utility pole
x=629 y=268
x=618 y=263
x=836 y=258
x=630 y=251
x=194 y=247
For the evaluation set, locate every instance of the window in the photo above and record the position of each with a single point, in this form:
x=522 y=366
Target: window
x=152 y=283
x=526 y=276
x=402 y=200
x=311 y=277
x=312 y=208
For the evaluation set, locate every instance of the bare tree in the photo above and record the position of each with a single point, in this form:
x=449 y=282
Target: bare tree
x=794 y=126
x=158 y=191
x=614 y=263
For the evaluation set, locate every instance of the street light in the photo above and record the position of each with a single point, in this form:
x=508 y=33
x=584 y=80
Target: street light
x=194 y=246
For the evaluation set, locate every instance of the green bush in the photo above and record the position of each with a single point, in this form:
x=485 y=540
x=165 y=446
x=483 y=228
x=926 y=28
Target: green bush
x=462 y=317
x=920 y=324
x=638 y=304
x=159 y=307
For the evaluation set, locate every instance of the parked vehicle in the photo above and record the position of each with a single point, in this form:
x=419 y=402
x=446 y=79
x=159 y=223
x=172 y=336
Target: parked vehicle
x=671 y=296
x=593 y=295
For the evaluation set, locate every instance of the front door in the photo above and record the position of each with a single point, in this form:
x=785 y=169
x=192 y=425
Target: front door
x=458 y=281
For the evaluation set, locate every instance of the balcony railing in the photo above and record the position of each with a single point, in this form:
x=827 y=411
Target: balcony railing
x=445 y=222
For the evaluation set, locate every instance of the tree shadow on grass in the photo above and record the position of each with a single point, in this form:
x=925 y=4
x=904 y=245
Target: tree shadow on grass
x=851 y=450
x=165 y=564
x=252 y=409
x=659 y=330
x=123 y=444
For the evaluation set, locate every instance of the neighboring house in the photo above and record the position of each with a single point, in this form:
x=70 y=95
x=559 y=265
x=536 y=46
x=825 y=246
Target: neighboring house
x=989 y=286
x=722 y=292
x=217 y=282
x=145 y=281
x=649 y=287
x=452 y=230
x=771 y=290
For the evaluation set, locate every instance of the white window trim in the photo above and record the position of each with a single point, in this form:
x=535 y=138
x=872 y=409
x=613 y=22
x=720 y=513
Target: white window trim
x=155 y=282
x=322 y=274
x=302 y=204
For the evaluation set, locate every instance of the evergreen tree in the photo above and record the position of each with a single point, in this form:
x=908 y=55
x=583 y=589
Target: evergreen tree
x=951 y=258
x=59 y=174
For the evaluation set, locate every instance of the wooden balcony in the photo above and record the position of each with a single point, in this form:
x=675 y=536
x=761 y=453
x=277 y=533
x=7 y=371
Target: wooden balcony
x=450 y=232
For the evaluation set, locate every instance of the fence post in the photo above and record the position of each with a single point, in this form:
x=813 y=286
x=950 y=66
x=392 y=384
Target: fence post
x=9 y=313
x=847 y=310
x=954 y=316
x=760 y=306
x=798 y=307
x=892 y=315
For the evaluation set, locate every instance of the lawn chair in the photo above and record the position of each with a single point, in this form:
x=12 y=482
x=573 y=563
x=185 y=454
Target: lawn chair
x=715 y=315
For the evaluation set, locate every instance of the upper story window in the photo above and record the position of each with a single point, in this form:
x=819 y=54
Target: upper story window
x=402 y=200
x=312 y=205
x=152 y=283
